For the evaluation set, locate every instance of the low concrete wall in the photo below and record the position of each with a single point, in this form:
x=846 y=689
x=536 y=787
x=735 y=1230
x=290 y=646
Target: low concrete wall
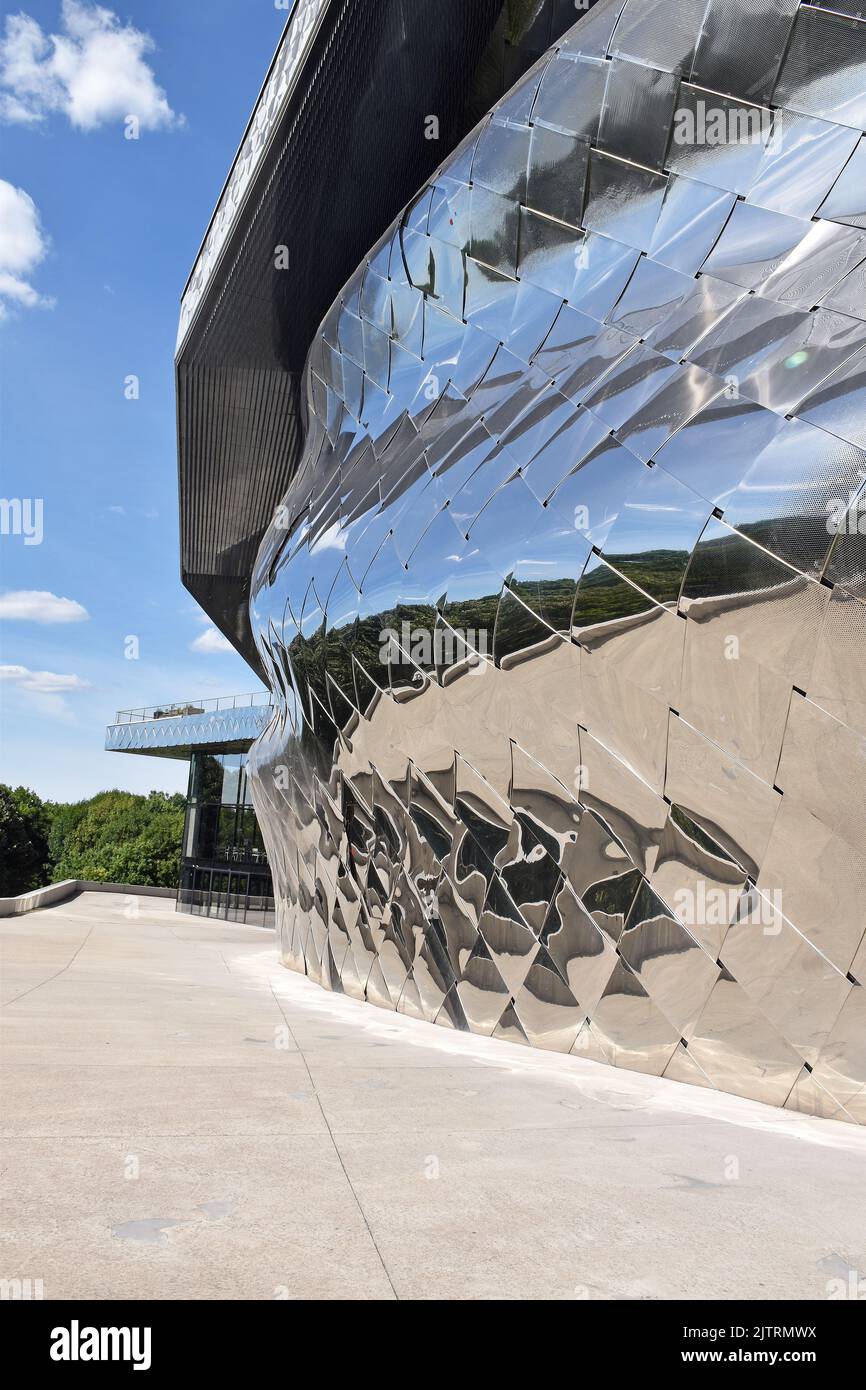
x=70 y=888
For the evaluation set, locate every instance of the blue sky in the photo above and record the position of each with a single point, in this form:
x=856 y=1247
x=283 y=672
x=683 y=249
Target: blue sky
x=97 y=236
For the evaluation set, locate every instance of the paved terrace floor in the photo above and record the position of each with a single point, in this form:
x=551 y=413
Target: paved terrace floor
x=159 y=1143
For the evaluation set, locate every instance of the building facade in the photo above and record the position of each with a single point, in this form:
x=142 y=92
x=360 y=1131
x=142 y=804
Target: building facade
x=224 y=864
x=552 y=550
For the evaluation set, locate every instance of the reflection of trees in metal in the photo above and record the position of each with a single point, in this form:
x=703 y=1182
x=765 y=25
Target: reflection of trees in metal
x=598 y=419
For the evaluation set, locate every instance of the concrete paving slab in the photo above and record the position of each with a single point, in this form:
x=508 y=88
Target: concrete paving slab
x=181 y=1218
x=186 y=1119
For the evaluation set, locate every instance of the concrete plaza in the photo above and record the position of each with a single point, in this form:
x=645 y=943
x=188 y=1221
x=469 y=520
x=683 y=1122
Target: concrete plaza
x=183 y=1118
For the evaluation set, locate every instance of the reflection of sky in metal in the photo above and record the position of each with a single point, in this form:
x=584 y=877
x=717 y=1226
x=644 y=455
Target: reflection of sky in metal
x=589 y=398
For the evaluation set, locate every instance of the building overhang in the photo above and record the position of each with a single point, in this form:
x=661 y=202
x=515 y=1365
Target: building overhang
x=338 y=142
x=179 y=731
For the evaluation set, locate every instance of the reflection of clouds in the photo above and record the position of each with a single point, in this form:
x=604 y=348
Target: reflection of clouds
x=332 y=539
x=661 y=653
x=649 y=507
x=794 y=486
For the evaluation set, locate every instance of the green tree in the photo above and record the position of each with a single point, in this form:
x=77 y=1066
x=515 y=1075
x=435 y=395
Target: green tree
x=65 y=816
x=113 y=837
x=37 y=817
x=119 y=837
x=23 y=841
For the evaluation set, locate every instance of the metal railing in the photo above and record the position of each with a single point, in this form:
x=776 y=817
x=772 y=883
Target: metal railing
x=243 y=854
x=184 y=707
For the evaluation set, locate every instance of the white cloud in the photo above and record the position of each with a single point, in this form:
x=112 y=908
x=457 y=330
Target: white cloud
x=93 y=71
x=211 y=641
x=22 y=246
x=40 y=606
x=41 y=682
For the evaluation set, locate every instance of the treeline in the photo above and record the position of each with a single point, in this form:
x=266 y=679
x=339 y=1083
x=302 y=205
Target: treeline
x=114 y=837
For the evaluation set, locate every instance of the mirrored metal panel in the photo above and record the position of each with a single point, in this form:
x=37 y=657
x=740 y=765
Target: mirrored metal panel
x=564 y=608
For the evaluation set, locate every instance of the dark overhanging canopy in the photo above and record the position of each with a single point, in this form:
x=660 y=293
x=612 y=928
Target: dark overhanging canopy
x=347 y=148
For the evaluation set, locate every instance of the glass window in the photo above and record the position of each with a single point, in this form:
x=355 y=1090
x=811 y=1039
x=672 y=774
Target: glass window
x=185 y=887
x=189 y=832
x=201 y=890
x=237 y=898
x=225 y=872
x=219 y=890
x=226 y=843
x=231 y=783
x=206 y=777
x=246 y=789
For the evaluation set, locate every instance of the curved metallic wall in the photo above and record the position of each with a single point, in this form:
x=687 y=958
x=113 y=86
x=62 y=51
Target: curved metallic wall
x=564 y=612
